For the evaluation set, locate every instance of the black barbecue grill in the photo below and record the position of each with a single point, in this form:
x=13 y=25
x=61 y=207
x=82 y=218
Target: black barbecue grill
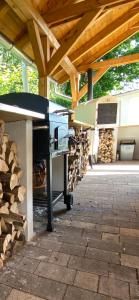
x=50 y=140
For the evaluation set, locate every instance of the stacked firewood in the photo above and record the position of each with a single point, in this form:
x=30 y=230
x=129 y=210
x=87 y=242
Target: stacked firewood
x=78 y=157
x=12 y=223
x=105 y=151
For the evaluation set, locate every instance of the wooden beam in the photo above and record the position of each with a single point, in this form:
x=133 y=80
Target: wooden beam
x=113 y=62
x=22 y=41
x=104 y=34
x=103 y=51
x=77 y=9
x=70 y=41
x=3 y=9
x=24 y=8
x=44 y=87
x=34 y=35
x=44 y=82
x=17 y=9
x=95 y=78
x=74 y=82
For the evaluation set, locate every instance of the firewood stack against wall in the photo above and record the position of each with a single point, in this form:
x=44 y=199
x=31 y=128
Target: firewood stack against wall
x=78 y=157
x=12 y=223
x=105 y=150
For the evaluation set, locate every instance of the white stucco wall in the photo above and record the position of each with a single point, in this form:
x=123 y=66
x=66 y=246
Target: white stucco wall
x=129 y=108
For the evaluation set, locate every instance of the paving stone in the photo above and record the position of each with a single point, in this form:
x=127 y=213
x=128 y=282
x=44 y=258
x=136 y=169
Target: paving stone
x=122 y=273
x=73 y=249
x=91 y=234
x=107 y=228
x=134 y=291
x=18 y=295
x=69 y=229
x=4 y=291
x=88 y=265
x=56 y=272
x=100 y=254
x=59 y=258
x=74 y=293
x=130 y=248
x=86 y=281
x=50 y=245
x=114 y=288
x=35 y=252
x=129 y=232
x=80 y=241
x=14 y=261
x=83 y=225
x=129 y=239
x=111 y=237
x=33 y=284
x=105 y=245
x=26 y=264
x=130 y=261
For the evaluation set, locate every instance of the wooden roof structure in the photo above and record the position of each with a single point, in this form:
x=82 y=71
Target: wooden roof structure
x=66 y=37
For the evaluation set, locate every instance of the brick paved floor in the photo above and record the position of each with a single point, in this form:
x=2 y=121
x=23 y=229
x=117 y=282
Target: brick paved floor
x=93 y=254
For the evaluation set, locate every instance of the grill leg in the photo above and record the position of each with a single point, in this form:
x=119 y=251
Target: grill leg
x=49 y=191
x=65 y=176
x=68 y=197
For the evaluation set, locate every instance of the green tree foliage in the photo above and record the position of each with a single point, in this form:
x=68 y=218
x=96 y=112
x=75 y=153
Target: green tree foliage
x=11 y=73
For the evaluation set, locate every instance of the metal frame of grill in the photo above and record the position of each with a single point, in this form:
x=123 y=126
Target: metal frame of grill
x=50 y=146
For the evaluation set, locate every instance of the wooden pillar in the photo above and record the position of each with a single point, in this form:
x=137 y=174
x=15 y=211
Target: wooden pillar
x=44 y=87
x=74 y=81
x=90 y=84
x=44 y=83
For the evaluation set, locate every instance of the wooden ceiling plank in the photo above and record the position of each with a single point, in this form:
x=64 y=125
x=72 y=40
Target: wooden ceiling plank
x=37 y=46
x=76 y=9
x=3 y=9
x=113 y=62
x=111 y=2
x=70 y=41
x=26 y=8
x=17 y=10
x=104 y=34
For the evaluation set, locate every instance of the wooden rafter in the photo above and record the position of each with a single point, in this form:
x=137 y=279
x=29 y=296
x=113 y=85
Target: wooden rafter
x=95 y=78
x=104 y=66
x=104 y=50
x=24 y=9
x=113 y=62
x=70 y=41
x=104 y=34
x=76 y=9
x=37 y=47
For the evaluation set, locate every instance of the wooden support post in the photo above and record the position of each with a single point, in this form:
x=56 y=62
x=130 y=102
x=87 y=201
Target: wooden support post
x=44 y=83
x=90 y=84
x=44 y=86
x=74 y=81
x=95 y=78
